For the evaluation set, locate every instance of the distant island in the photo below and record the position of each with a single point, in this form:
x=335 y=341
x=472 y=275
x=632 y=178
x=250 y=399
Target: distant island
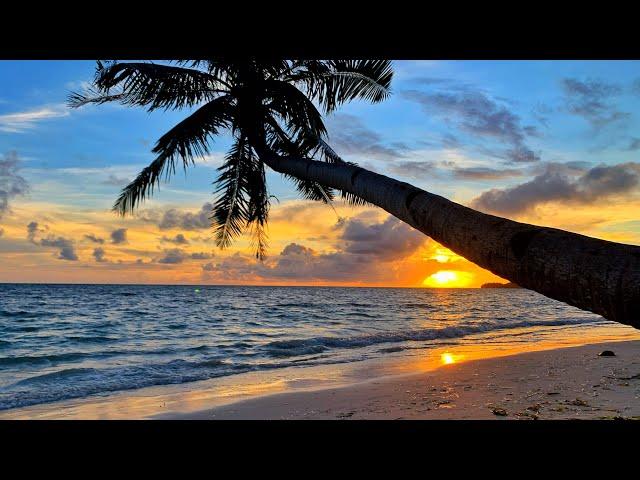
x=500 y=285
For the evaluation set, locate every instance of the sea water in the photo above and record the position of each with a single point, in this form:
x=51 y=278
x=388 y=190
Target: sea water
x=71 y=341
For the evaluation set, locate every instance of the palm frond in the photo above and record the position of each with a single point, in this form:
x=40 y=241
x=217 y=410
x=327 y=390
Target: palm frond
x=324 y=150
x=258 y=209
x=294 y=108
x=312 y=190
x=141 y=187
x=259 y=239
x=335 y=82
x=353 y=199
x=186 y=140
x=220 y=68
x=155 y=85
x=91 y=95
x=231 y=208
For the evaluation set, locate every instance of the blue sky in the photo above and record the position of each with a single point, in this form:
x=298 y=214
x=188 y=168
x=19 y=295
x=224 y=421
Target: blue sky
x=548 y=142
x=112 y=136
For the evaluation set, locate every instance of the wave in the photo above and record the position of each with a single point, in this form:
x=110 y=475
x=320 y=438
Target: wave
x=92 y=339
x=288 y=348
x=55 y=376
x=72 y=383
x=44 y=359
x=78 y=356
x=20 y=313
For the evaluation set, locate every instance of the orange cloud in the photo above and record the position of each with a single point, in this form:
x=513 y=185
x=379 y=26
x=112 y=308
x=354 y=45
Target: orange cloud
x=309 y=244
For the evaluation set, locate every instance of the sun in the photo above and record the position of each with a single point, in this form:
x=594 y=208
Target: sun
x=448 y=279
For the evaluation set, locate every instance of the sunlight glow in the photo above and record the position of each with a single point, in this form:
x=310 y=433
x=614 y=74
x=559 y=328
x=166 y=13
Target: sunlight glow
x=444 y=255
x=448 y=279
x=447 y=358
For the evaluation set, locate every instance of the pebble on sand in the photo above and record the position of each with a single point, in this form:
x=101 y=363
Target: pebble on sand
x=606 y=353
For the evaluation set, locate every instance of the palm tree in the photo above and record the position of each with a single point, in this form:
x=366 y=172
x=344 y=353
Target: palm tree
x=268 y=106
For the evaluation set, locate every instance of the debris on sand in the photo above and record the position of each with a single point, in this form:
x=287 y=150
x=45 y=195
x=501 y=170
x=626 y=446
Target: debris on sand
x=532 y=416
x=501 y=412
x=606 y=353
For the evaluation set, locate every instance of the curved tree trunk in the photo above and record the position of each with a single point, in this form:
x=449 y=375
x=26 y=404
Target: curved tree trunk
x=596 y=275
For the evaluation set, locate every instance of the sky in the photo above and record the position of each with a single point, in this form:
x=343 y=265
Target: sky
x=553 y=143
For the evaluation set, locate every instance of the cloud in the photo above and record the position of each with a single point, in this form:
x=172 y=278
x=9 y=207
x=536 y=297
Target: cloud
x=32 y=230
x=634 y=144
x=116 y=181
x=389 y=240
x=295 y=249
x=209 y=267
x=541 y=113
x=521 y=154
x=174 y=256
x=94 y=239
x=178 y=255
x=559 y=183
x=119 y=236
x=364 y=251
x=451 y=141
x=485 y=173
x=20 y=122
x=67 y=250
x=592 y=100
x=179 y=239
x=175 y=218
x=417 y=170
x=348 y=135
x=11 y=184
x=474 y=112
x=98 y=254
x=201 y=255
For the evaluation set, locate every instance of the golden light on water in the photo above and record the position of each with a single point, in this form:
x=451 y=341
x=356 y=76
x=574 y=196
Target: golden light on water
x=447 y=358
x=448 y=279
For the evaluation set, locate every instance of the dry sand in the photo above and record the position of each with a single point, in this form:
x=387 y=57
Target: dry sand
x=566 y=383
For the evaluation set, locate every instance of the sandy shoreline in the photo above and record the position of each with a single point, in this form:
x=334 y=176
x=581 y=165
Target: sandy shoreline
x=550 y=382
x=566 y=383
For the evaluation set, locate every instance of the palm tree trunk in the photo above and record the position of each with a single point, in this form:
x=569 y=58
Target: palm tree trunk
x=596 y=275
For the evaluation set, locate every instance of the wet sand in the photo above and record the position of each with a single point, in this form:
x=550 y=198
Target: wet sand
x=564 y=383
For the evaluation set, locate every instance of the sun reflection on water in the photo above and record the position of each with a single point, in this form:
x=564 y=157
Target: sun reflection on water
x=448 y=358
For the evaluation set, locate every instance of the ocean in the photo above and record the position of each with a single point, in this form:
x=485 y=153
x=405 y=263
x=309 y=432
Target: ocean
x=62 y=342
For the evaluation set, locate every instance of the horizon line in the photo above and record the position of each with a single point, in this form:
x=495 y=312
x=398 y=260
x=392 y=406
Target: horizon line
x=239 y=285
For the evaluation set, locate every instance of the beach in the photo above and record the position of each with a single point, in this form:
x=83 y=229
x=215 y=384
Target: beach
x=555 y=383
x=569 y=383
